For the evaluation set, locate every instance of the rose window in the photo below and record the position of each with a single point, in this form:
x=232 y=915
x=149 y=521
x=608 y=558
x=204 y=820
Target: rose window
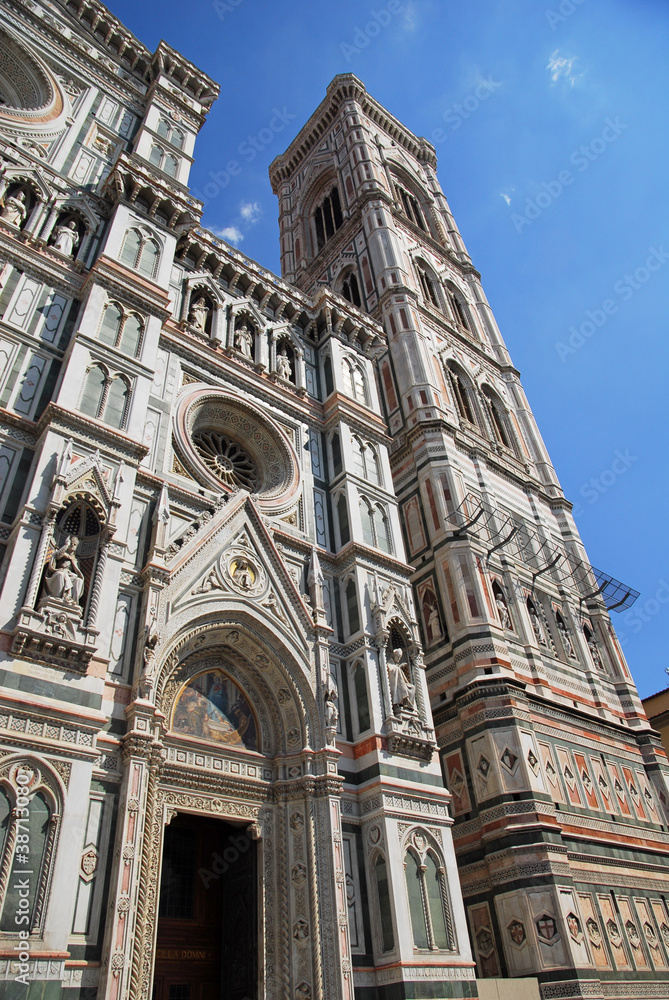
x=227 y=460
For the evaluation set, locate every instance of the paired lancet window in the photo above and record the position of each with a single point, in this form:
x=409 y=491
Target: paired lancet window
x=28 y=828
x=171 y=134
x=106 y=396
x=141 y=252
x=411 y=207
x=366 y=460
x=428 y=901
x=122 y=330
x=328 y=218
x=354 y=380
x=351 y=290
x=375 y=524
x=165 y=161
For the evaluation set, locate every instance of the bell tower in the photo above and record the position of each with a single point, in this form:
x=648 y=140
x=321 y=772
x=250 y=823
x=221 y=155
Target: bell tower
x=552 y=766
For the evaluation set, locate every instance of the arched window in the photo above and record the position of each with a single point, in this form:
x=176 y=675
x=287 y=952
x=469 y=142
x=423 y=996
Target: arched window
x=335 y=445
x=383 y=900
x=361 y=697
x=105 y=397
x=416 y=902
x=410 y=207
x=358 y=456
x=366 y=461
x=342 y=517
x=354 y=380
x=110 y=328
x=367 y=519
x=27 y=838
x=351 y=290
x=428 y=287
x=173 y=135
x=94 y=386
x=148 y=258
x=498 y=417
x=327 y=218
x=382 y=528
x=375 y=524
x=117 y=401
x=131 y=247
x=462 y=391
x=171 y=165
x=131 y=336
x=352 y=607
x=427 y=894
x=140 y=252
x=459 y=310
x=164 y=161
x=120 y=330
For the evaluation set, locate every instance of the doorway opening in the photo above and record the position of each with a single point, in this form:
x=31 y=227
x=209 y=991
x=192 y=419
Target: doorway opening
x=207 y=943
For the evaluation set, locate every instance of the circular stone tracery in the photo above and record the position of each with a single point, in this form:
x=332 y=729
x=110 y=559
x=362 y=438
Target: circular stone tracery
x=226 y=459
x=228 y=444
x=30 y=95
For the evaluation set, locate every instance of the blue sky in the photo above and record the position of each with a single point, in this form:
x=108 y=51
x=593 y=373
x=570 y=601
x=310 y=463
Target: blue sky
x=550 y=124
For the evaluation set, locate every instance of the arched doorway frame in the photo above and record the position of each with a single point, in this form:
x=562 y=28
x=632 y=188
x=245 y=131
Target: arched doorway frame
x=291 y=803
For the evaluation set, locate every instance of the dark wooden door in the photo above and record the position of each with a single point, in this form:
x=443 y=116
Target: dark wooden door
x=207 y=938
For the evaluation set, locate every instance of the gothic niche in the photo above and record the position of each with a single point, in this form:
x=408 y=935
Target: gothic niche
x=212 y=707
x=244 y=338
x=502 y=606
x=285 y=360
x=201 y=312
x=70 y=563
x=431 y=620
x=17 y=205
x=402 y=690
x=67 y=234
x=65 y=586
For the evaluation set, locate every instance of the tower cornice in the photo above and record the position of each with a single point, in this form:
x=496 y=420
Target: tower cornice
x=346 y=87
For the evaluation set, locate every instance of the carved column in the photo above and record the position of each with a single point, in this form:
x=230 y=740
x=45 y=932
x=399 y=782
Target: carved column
x=38 y=565
x=142 y=759
x=96 y=592
x=47 y=228
x=419 y=679
x=381 y=640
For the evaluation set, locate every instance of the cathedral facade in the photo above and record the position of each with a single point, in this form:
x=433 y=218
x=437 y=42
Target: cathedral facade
x=307 y=688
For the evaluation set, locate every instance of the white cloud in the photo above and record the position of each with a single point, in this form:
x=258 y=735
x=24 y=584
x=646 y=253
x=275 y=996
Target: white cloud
x=561 y=67
x=250 y=212
x=410 y=20
x=229 y=233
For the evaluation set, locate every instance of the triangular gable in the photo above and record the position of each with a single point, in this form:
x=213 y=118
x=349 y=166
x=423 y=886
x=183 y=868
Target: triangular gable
x=234 y=557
